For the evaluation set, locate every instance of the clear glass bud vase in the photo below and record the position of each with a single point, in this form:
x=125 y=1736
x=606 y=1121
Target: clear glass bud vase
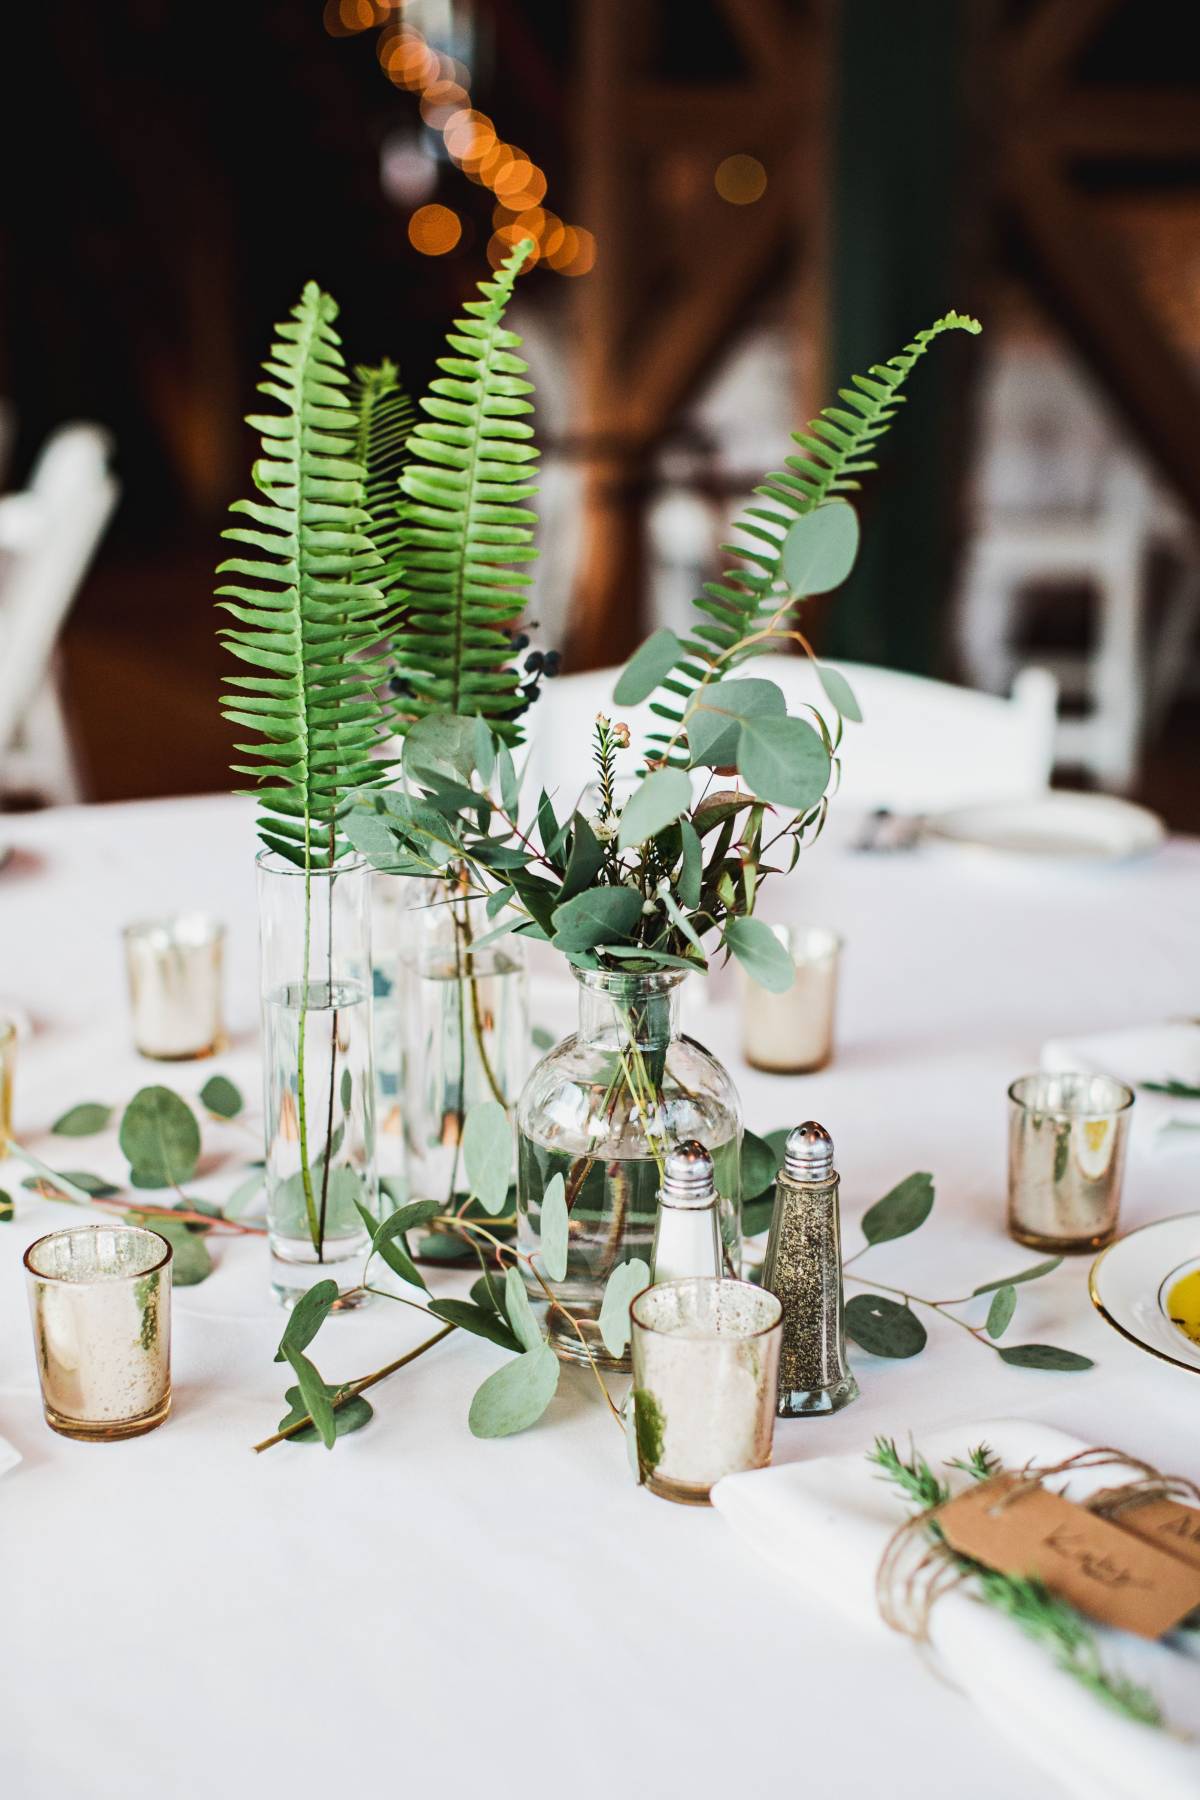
x=464 y=1031
x=318 y=1078
x=601 y=1110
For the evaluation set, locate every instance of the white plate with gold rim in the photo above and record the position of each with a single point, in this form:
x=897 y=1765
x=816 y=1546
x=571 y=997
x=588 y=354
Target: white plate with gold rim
x=1056 y=827
x=1134 y=1286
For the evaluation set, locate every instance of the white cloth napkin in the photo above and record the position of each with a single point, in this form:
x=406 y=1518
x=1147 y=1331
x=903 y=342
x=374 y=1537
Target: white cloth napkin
x=827 y=1522
x=1144 y=1053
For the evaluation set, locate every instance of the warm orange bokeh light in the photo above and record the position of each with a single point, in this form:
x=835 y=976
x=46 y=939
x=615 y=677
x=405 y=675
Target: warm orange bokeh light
x=741 y=180
x=345 y=18
x=505 y=240
x=512 y=178
x=468 y=135
x=553 y=231
x=408 y=59
x=440 y=101
x=585 y=253
x=433 y=230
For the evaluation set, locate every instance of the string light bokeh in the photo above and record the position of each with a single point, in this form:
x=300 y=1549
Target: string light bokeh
x=473 y=144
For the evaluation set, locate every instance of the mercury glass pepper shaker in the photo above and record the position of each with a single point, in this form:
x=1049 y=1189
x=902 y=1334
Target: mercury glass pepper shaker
x=803 y=1269
x=687 y=1233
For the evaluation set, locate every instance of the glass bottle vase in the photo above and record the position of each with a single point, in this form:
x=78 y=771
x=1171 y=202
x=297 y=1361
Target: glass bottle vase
x=318 y=1077
x=601 y=1109
x=464 y=1031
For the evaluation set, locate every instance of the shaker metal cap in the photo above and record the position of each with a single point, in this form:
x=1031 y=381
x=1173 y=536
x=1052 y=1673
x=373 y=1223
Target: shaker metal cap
x=688 y=1175
x=808 y=1153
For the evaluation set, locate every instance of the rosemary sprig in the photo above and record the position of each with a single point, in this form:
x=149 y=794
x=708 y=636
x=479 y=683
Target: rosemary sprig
x=1040 y=1615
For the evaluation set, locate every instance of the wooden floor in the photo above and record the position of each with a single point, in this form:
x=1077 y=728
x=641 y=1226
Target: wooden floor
x=143 y=667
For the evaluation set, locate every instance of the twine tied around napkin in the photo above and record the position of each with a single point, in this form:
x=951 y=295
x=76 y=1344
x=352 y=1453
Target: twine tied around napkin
x=1049 y=1563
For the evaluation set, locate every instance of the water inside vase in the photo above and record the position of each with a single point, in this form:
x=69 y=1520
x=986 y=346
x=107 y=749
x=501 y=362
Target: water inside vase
x=337 y=1123
x=466 y=1041
x=612 y=1203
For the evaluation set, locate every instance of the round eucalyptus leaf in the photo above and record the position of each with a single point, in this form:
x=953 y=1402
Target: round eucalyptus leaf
x=761 y=954
x=624 y=1285
x=520 y=1313
x=83 y=1120
x=883 y=1327
x=220 y=1096
x=784 y=761
x=907 y=1206
x=7 y=1209
x=352 y=1415
x=516 y=1396
x=839 y=691
x=160 y=1137
x=1044 y=1356
x=1000 y=1312
x=654 y=804
x=1034 y=1273
x=647 y=668
x=487 y=1147
x=481 y=1320
x=820 y=548
x=190 y=1262
x=760 y=1165
x=597 y=917
x=555 y=1229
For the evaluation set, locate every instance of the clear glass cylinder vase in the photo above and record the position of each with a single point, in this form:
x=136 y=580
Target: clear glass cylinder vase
x=464 y=1033
x=318 y=1075
x=601 y=1110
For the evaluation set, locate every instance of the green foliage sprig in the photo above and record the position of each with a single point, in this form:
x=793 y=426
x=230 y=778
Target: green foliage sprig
x=159 y=1136
x=750 y=609
x=888 y=1327
x=1040 y=1615
x=465 y=527
x=308 y=612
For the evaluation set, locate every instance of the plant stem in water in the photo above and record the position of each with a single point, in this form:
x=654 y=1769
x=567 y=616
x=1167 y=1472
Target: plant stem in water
x=310 y=1204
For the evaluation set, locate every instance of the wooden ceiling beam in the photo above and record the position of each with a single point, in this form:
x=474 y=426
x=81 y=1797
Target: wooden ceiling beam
x=1049 y=40
x=1086 y=282
x=1149 y=123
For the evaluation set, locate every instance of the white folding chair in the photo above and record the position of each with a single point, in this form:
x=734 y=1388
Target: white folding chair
x=923 y=745
x=48 y=536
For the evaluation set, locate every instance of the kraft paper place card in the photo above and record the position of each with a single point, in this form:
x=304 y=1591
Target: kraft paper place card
x=1113 y=1575
x=1168 y=1523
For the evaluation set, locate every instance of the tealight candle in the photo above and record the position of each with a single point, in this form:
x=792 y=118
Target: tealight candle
x=174 y=968
x=705 y=1372
x=792 y=1033
x=1066 y=1158
x=100 y=1299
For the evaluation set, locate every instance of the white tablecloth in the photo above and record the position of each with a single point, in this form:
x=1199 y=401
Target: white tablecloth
x=426 y=1613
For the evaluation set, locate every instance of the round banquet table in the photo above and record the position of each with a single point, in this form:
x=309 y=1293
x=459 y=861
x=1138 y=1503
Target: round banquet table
x=426 y=1613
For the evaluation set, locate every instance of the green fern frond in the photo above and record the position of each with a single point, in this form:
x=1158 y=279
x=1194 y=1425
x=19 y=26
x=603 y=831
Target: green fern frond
x=835 y=451
x=465 y=524
x=386 y=416
x=308 y=612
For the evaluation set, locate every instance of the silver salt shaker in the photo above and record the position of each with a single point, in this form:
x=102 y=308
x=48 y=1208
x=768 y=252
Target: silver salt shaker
x=687 y=1231
x=803 y=1269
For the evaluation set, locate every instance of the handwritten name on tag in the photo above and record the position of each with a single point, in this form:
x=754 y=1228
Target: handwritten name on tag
x=1111 y=1574
x=1167 y=1523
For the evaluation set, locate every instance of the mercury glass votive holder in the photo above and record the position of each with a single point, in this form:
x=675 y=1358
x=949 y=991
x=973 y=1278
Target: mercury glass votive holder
x=792 y=1033
x=8 y=1068
x=705 y=1373
x=1066 y=1158
x=175 y=977
x=100 y=1298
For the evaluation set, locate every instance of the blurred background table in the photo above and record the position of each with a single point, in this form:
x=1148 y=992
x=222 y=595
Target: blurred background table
x=423 y=1596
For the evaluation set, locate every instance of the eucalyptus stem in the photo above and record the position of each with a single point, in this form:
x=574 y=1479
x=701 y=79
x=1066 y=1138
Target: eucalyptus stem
x=353 y=1388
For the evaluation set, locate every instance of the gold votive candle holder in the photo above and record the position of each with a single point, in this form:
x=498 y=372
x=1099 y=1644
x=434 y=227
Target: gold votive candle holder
x=175 y=978
x=8 y=1070
x=100 y=1298
x=1066 y=1159
x=705 y=1374
x=792 y=1033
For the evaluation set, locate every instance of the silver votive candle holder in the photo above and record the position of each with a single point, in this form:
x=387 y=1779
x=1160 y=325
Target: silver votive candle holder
x=100 y=1300
x=175 y=969
x=705 y=1373
x=8 y=1071
x=1066 y=1160
x=792 y=1033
